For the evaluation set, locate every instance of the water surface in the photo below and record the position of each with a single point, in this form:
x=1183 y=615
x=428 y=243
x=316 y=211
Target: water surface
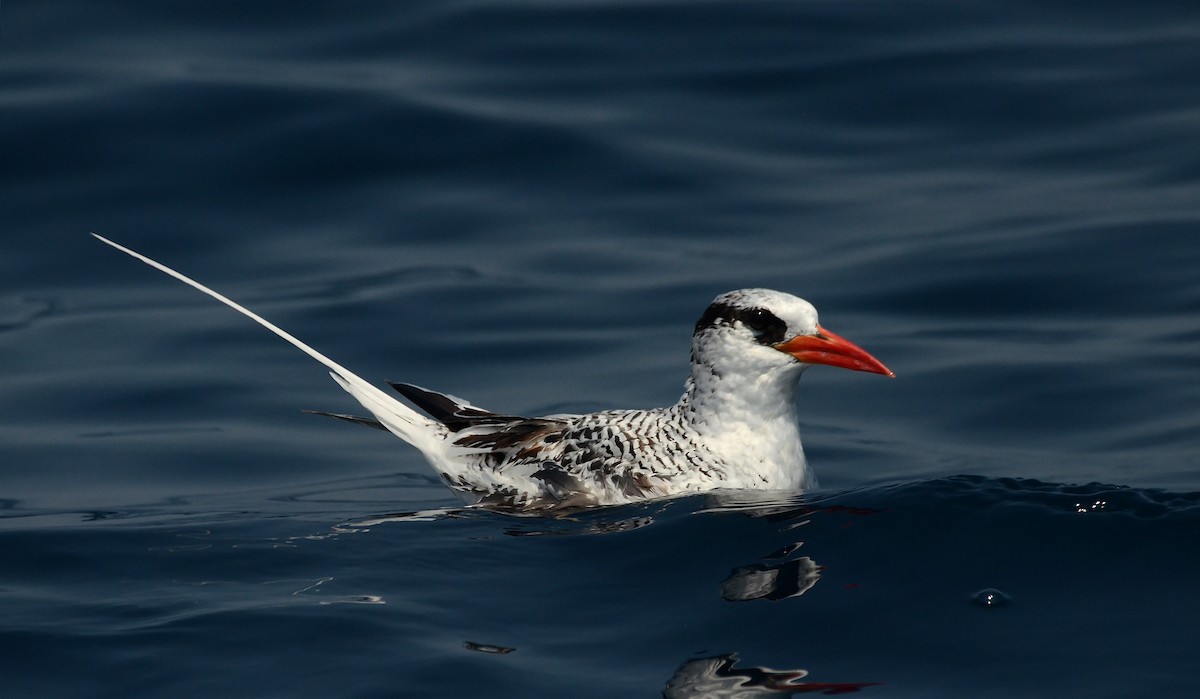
x=528 y=204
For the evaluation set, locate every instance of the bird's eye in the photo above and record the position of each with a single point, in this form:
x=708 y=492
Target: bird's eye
x=766 y=326
x=759 y=320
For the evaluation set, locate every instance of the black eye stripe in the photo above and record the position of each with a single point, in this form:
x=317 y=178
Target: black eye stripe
x=767 y=327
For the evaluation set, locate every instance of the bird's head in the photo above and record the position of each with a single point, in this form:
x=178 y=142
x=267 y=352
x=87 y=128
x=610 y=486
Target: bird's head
x=765 y=332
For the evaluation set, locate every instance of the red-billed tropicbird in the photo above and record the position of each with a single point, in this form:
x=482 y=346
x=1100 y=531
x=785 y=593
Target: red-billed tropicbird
x=734 y=427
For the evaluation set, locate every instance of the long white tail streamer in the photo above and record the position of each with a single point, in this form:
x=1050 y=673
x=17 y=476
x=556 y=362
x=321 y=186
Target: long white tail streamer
x=414 y=428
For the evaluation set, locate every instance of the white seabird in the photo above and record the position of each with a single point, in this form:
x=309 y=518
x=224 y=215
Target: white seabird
x=735 y=426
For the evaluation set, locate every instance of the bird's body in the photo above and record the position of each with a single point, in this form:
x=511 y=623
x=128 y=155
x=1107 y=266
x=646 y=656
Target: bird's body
x=604 y=458
x=735 y=426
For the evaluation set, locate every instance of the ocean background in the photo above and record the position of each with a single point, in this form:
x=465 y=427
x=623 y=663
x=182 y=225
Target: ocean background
x=528 y=204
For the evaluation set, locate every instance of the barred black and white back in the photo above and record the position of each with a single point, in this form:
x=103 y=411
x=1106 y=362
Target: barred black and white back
x=734 y=427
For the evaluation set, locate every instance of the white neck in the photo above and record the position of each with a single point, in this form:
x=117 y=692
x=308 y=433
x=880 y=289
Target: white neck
x=749 y=421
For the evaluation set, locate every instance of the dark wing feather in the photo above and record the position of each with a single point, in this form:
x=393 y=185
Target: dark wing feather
x=520 y=438
x=447 y=411
x=364 y=421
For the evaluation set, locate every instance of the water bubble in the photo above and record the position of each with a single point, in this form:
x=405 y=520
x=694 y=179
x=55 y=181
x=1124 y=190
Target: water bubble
x=991 y=597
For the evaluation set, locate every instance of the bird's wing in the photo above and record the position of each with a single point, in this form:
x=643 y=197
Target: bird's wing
x=565 y=460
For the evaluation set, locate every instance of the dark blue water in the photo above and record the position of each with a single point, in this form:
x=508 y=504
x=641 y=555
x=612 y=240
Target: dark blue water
x=528 y=204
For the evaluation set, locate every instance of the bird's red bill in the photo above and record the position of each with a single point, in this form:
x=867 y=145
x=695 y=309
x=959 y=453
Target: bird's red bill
x=827 y=348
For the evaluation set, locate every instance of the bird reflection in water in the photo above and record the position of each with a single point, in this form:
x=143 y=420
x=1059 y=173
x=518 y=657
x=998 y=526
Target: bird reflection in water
x=776 y=577
x=771 y=582
x=719 y=677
